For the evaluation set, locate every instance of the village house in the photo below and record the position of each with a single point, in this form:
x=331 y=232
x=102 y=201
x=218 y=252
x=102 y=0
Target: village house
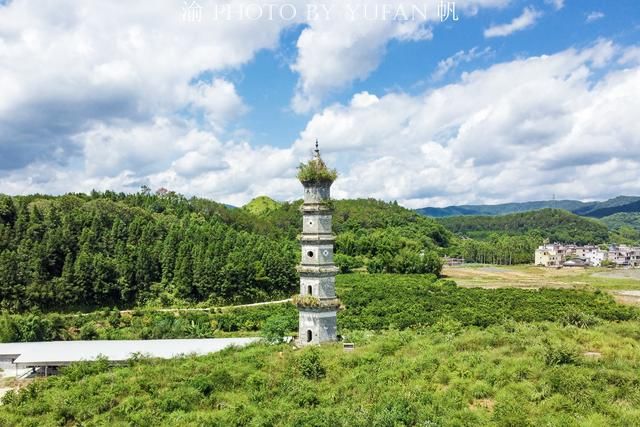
x=561 y=255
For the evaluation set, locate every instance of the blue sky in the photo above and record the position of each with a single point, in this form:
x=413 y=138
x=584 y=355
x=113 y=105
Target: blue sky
x=408 y=66
x=517 y=100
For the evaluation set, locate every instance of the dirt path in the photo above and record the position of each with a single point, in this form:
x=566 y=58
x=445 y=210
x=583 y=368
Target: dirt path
x=226 y=307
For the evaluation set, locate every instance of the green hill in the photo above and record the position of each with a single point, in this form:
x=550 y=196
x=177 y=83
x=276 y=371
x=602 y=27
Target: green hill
x=373 y=234
x=77 y=251
x=261 y=205
x=616 y=221
x=553 y=224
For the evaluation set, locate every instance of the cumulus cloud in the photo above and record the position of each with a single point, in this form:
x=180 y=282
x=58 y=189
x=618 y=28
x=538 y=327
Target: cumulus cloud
x=68 y=65
x=334 y=53
x=526 y=20
x=96 y=96
x=519 y=130
x=218 y=101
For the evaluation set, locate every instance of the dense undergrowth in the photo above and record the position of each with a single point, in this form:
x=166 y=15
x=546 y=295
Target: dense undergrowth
x=371 y=302
x=427 y=353
x=513 y=374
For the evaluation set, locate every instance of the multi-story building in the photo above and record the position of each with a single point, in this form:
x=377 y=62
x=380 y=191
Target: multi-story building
x=624 y=256
x=558 y=255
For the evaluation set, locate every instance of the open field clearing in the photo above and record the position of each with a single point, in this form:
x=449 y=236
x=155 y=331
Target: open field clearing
x=620 y=283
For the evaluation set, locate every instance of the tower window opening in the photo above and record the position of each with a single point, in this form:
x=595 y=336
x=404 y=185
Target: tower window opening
x=310 y=254
x=309 y=335
x=310 y=290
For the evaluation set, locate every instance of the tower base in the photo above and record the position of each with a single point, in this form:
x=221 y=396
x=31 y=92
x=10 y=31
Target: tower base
x=317 y=327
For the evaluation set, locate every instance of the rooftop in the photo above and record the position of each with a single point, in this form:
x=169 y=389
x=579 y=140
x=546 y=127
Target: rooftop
x=60 y=353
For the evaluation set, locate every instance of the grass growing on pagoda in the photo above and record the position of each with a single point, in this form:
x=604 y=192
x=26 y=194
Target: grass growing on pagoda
x=316 y=171
x=515 y=373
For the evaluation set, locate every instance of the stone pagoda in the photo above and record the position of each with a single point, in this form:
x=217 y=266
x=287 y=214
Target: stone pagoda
x=317 y=302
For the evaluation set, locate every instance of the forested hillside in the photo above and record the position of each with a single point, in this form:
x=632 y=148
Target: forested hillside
x=372 y=234
x=504 y=208
x=79 y=251
x=111 y=249
x=553 y=224
x=513 y=238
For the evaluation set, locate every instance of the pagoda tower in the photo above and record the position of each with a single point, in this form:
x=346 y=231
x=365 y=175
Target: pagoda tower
x=317 y=302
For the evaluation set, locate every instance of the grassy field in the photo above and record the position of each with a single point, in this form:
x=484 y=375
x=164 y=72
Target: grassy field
x=531 y=277
x=427 y=353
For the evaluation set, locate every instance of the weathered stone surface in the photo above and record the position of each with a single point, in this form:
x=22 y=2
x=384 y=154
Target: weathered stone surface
x=317 y=323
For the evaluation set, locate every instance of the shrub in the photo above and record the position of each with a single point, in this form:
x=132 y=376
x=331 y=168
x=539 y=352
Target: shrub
x=559 y=354
x=275 y=328
x=309 y=364
x=88 y=332
x=579 y=319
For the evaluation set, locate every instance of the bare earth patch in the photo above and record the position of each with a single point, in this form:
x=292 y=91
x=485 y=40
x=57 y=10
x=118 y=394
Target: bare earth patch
x=594 y=354
x=627 y=297
x=487 y=404
x=620 y=274
x=624 y=285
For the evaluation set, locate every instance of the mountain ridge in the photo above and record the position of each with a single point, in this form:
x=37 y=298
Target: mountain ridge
x=595 y=209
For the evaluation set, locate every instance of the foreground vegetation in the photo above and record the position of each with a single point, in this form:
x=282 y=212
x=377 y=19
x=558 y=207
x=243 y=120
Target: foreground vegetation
x=514 y=374
x=427 y=353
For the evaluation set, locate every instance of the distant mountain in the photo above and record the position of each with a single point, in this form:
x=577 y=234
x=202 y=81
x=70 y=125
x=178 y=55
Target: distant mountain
x=505 y=208
x=591 y=209
x=610 y=207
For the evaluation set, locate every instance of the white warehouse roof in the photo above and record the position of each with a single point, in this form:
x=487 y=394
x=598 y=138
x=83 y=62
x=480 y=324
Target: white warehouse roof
x=59 y=353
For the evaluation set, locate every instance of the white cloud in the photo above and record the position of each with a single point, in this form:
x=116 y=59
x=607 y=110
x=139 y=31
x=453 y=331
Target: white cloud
x=64 y=67
x=557 y=4
x=521 y=130
x=518 y=130
x=94 y=94
x=218 y=100
x=458 y=58
x=334 y=53
x=526 y=20
x=594 y=16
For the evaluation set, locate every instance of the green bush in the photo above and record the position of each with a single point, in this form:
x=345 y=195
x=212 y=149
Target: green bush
x=275 y=328
x=309 y=364
x=88 y=332
x=559 y=354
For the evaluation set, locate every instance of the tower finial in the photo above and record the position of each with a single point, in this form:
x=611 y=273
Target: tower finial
x=317 y=150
